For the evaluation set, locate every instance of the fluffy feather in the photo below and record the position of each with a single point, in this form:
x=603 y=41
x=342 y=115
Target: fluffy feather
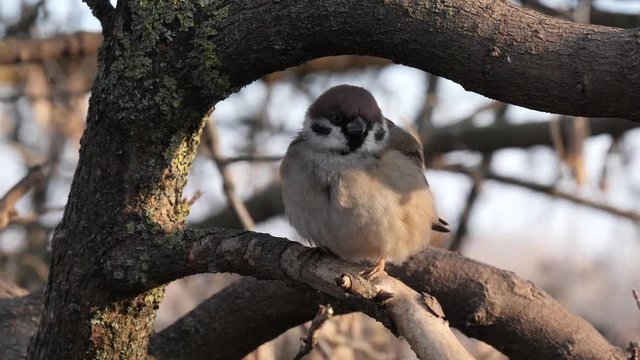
x=368 y=203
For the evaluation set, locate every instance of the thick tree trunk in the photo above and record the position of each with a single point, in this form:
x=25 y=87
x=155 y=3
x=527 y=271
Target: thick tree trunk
x=143 y=127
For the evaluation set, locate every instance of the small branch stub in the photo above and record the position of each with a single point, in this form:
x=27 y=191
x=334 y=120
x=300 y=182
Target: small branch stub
x=357 y=285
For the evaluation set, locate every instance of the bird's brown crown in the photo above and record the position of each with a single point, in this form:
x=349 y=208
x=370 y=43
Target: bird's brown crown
x=347 y=100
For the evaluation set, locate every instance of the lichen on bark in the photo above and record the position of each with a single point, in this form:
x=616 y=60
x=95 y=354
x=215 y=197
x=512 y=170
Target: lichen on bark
x=158 y=76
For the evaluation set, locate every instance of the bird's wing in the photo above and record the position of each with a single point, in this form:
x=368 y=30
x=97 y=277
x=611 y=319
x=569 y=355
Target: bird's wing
x=405 y=143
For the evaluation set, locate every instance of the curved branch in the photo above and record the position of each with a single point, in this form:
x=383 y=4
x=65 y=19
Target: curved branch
x=484 y=302
x=263 y=256
x=494 y=48
x=102 y=10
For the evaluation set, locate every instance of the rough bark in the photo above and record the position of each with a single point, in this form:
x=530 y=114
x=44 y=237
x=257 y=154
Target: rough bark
x=494 y=48
x=275 y=312
x=484 y=302
x=145 y=116
x=19 y=319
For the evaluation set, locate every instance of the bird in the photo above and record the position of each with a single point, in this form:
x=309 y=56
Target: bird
x=353 y=182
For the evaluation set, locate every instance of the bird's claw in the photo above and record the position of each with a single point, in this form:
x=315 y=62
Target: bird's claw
x=375 y=271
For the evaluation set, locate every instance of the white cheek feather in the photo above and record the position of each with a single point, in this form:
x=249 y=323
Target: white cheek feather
x=373 y=146
x=334 y=141
x=322 y=149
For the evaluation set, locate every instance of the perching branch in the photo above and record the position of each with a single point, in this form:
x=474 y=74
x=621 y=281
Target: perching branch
x=484 y=302
x=263 y=256
x=418 y=318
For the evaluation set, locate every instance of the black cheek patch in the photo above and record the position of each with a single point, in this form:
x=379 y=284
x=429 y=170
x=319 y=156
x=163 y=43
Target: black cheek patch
x=379 y=135
x=320 y=130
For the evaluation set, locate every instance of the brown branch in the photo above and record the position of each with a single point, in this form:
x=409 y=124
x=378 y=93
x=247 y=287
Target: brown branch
x=264 y=308
x=7 y=203
x=534 y=60
x=251 y=158
x=102 y=10
x=14 y=51
x=333 y=64
x=19 y=318
x=477 y=179
x=325 y=312
x=423 y=120
x=212 y=141
x=484 y=302
x=263 y=205
x=549 y=190
x=418 y=318
x=636 y=297
x=466 y=136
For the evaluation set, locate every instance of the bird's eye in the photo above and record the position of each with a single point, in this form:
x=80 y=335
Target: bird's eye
x=335 y=118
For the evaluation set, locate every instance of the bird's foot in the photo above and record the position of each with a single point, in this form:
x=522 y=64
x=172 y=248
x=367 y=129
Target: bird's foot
x=375 y=271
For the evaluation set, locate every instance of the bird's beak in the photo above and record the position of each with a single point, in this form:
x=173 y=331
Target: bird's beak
x=356 y=127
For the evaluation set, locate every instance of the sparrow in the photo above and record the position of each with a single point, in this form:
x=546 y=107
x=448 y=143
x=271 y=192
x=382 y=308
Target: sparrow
x=353 y=182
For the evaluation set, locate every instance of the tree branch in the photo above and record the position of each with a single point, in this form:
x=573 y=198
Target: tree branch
x=264 y=308
x=212 y=141
x=15 y=51
x=466 y=136
x=551 y=191
x=325 y=312
x=484 y=302
x=262 y=256
x=553 y=65
x=418 y=318
x=102 y=10
x=8 y=202
x=533 y=60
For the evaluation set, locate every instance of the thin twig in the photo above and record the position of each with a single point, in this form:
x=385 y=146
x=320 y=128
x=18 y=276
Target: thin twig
x=424 y=119
x=194 y=198
x=463 y=221
x=212 y=141
x=549 y=190
x=33 y=217
x=636 y=296
x=250 y=158
x=477 y=178
x=325 y=312
x=8 y=202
